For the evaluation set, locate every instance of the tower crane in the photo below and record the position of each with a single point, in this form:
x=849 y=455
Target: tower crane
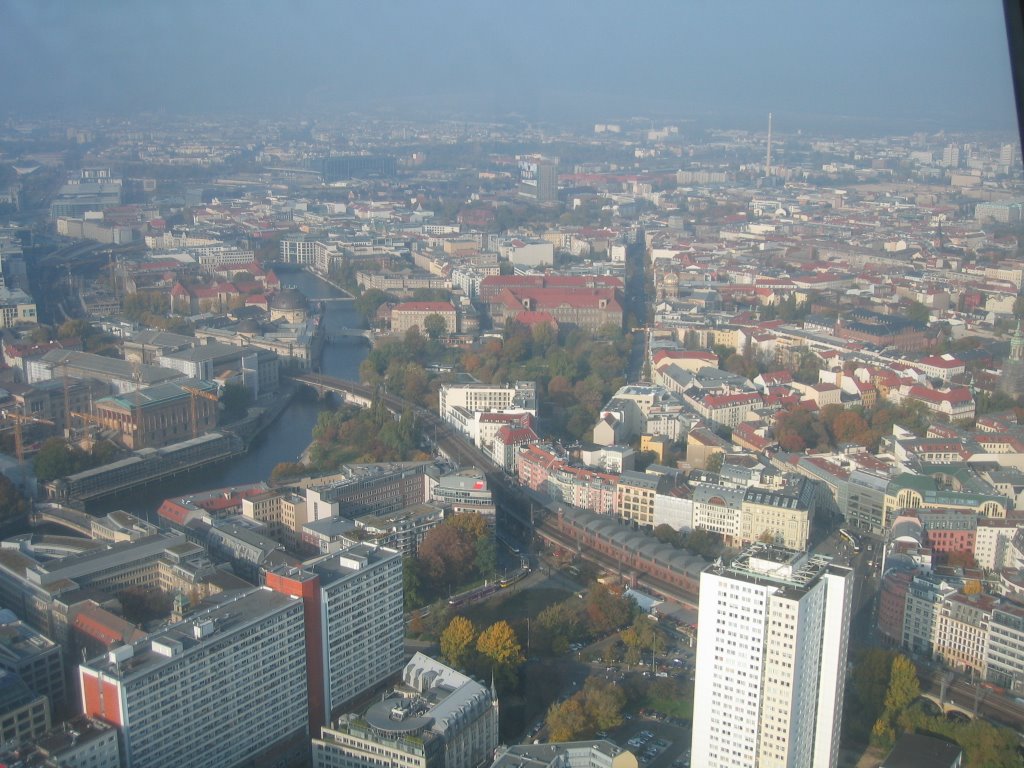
x=19 y=419
x=87 y=418
x=196 y=393
x=137 y=409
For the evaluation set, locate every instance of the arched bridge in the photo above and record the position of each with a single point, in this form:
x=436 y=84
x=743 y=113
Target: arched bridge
x=948 y=706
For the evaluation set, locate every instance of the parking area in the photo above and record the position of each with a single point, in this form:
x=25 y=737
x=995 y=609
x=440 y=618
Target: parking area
x=656 y=744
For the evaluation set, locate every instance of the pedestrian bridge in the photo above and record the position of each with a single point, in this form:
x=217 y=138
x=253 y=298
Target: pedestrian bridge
x=337 y=334
x=65 y=517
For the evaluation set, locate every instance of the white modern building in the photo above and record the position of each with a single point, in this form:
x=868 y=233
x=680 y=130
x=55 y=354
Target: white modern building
x=218 y=689
x=355 y=625
x=460 y=404
x=771 y=660
x=435 y=718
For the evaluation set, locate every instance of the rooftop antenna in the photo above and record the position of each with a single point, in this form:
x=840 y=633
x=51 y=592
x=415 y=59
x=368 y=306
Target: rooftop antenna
x=768 y=157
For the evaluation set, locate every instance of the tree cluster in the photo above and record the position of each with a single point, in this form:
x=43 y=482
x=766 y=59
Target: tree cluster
x=142 y=605
x=455 y=553
x=559 y=625
x=799 y=429
x=496 y=650
x=575 y=372
x=153 y=310
x=882 y=702
x=399 y=364
x=234 y=400
x=641 y=639
x=368 y=302
x=352 y=434
x=13 y=504
x=598 y=707
x=607 y=611
x=58 y=459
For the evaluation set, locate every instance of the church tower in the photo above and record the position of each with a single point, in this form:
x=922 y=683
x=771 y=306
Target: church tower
x=1013 y=369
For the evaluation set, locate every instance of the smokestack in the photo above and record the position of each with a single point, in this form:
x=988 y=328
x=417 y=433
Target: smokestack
x=768 y=158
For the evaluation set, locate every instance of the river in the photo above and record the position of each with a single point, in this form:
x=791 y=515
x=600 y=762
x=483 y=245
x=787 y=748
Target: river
x=286 y=438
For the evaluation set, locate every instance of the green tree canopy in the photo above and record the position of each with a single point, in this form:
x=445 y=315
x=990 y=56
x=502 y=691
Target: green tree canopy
x=435 y=326
x=13 y=504
x=606 y=610
x=235 y=399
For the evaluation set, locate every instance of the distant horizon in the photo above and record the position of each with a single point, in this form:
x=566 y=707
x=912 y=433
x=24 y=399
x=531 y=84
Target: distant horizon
x=937 y=64
x=784 y=124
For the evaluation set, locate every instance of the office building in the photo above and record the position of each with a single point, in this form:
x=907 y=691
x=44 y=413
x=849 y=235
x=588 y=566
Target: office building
x=634 y=496
x=16 y=308
x=256 y=369
x=579 y=754
x=24 y=713
x=33 y=657
x=435 y=718
x=81 y=742
x=354 y=623
x=538 y=177
x=465 y=491
x=223 y=688
x=771 y=660
x=363 y=489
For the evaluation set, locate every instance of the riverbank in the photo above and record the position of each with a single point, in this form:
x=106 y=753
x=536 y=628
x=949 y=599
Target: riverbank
x=282 y=436
x=336 y=286
x=262 y=416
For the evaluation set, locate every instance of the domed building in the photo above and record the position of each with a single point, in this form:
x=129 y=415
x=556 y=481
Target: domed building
x=290 y=305
x=670 y=286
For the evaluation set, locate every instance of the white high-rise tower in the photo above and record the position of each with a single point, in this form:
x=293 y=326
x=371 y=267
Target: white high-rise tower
x=771 y=660
x=768 y=156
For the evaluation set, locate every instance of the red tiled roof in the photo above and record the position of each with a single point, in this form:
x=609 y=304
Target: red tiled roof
x=955 y=396
x=536 y=318
x=724 y=401
x=515 y=435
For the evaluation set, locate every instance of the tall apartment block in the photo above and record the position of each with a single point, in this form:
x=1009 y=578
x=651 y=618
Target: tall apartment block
x=771 y=660
x=225 y=687
x=354 y=623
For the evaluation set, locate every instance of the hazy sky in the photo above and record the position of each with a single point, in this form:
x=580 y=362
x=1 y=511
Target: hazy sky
x=943 y=62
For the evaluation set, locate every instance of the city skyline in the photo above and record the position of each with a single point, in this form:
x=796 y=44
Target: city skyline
x=877 y=67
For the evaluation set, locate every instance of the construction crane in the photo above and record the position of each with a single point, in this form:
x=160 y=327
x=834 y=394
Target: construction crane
x=196 y=393
x=19 y=419
x=137 y=410
x=87 y=418
x=67 y=401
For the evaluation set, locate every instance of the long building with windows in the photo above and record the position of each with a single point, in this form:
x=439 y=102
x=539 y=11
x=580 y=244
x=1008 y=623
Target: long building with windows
x=226 y=687
x=354 y=623
x=771 y=660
